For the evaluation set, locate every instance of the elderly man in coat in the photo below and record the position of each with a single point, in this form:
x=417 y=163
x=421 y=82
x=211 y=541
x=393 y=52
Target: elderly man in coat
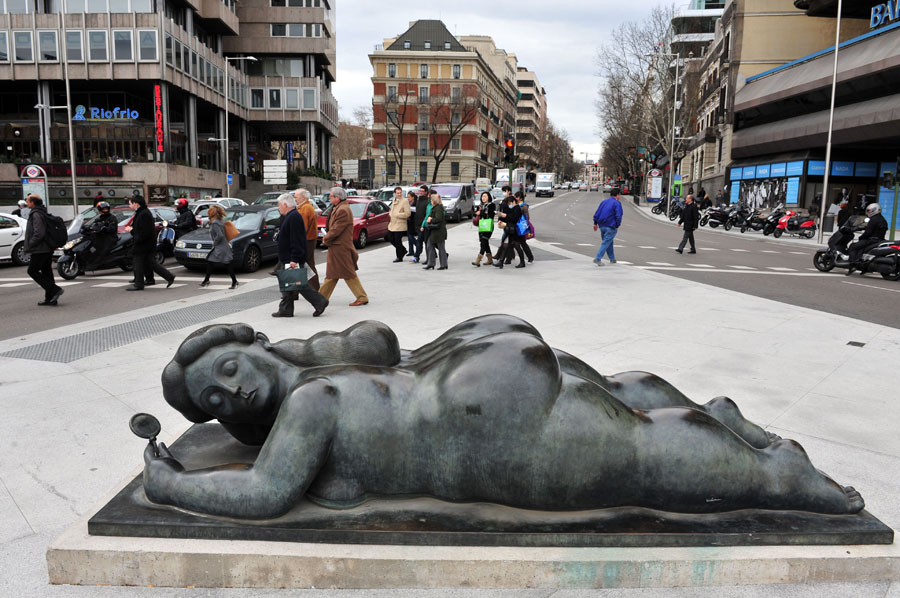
x=342 y=256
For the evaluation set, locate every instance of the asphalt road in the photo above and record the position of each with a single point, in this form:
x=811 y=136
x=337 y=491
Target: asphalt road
x=780 y=270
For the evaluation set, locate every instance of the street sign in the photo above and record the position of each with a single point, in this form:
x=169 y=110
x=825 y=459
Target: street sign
x=655 y=187
x=383 y=172
x=272 y=171
x=289 y=152
x=654 y=172
x=275 y=163
x=230 y=180
x=274 y=181
x=415 y=173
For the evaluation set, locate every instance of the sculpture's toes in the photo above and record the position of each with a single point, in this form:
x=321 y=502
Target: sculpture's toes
x=855 y=502
x=772 y=437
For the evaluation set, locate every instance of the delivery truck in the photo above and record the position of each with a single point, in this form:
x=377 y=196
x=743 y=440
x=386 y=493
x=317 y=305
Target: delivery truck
x=543 y=185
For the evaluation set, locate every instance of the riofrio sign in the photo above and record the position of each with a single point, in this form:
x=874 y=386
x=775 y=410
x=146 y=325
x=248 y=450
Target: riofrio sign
x=102 y=114
x=884 y=13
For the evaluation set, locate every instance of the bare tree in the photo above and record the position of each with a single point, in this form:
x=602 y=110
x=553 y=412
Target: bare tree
x=397 y=108
x=362 y=116
x=637 y=93
x=351 y=143
x=448 y=116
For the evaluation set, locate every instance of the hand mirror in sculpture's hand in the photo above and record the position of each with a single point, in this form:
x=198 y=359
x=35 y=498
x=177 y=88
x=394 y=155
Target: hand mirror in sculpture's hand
x=146 y=426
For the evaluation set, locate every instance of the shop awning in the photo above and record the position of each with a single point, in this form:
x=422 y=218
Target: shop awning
x=863 y=122
x=876 y=53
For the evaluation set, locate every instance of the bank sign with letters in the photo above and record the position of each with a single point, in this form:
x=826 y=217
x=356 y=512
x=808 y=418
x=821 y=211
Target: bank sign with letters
x=882 y=14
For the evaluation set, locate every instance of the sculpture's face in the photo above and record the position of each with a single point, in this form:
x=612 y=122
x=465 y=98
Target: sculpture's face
x=235 y=383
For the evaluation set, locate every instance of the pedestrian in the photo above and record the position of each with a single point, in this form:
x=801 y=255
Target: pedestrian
x=311 y=226
x=423 y=209
x=507 y=190
x=22 y=211
x=400 y=213
x=608 y=219
x=221 y=253
x=437 y=235
x=523 y=241
x=690 y=221
x=293 y=245
x=342 y=256
x=412 y=224
x=143 y=231
x=38 y=245
x=484 y=220
x=509 y=214
x=814 y=207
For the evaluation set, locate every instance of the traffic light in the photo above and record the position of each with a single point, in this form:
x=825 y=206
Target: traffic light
x=509 y=151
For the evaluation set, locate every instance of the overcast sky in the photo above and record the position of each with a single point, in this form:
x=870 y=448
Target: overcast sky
x=558 y=40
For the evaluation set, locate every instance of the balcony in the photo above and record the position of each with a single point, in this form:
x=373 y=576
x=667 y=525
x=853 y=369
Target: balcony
x=484 y=133
x=421 y=152
x=423 y=127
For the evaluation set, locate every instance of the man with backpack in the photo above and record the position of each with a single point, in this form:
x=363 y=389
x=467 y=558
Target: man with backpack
x=42 y=237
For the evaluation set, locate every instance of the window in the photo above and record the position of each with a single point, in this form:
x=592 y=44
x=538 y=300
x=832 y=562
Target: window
x=454 y=169
x=316 y=30
x=23 y=49
x=178 y=51
x=122 y=48
x=297 y=30
x=454 y=95
x=19 y=7
x=454 y=118
x=198 y=74
x=257 y=98
x=274 y=98
x=423 y=119
x=118 y=6
x=457 y=71
x=392 y=141
x=427 y=45
x=446 y=45
x=96 y=6
x=309 y=99
x=392 y=69
x=454 y=143
x=392 y=93
x=423 y=170
x=292 y=99
x=47 y=48
x=423 y=95
x=74 y=6
x=423 y=71
x=4 y=47
x=423 y=144
x=279 y=29
x=406 y=45
x=277 y=3
x=147 y=45
x=273 y=217
x=391 y=168
x=142 y=6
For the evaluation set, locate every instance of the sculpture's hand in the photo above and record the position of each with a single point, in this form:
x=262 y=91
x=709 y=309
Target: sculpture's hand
x=160 y=473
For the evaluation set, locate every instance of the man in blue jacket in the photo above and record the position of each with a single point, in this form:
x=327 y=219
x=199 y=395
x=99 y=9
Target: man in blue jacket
x=608 y=219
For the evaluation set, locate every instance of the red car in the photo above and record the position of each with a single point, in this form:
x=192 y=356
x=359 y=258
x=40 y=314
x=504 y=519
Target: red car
x=371 y=218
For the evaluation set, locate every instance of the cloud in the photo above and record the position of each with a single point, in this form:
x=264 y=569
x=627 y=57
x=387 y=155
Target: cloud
x=557 y=40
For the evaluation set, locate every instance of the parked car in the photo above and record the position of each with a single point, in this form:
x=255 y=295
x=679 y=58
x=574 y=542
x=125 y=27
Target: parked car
x=595 y=187
x=386 y=194
x=200 y=207
x=262 y=199
x=12 y=239
x=256 y=242
x=458 y=199
x=371 y=218
x=583 y=187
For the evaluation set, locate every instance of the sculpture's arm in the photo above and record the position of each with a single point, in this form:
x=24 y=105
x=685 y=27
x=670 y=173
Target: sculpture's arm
x=288 y=462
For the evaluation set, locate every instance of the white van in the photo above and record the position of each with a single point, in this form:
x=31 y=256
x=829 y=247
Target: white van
x=482 y=185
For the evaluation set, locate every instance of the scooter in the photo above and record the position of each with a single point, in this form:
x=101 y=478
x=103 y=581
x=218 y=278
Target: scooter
x=753 y=221
x=715 y=216
x=772 y=219
x=794 y=224
x=77 y=254
x=884 y=258
x=736 y=216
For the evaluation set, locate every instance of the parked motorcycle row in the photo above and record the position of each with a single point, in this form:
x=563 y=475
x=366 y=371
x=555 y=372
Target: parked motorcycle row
x=778 y=222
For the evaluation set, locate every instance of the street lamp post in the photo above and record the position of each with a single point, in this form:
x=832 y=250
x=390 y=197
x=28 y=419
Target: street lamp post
x=677 y=56
x=823 y=203
x=227 y=97
x=71 y=148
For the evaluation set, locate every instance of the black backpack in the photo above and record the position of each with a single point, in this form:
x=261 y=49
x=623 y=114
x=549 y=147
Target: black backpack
x=56 y=235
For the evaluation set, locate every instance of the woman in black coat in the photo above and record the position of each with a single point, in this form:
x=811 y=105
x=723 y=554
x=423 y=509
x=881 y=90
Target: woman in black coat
x=143 y=231
x=509 y=214
x=487 y=211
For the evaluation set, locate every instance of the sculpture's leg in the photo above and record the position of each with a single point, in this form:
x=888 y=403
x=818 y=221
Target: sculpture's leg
x=689 y=461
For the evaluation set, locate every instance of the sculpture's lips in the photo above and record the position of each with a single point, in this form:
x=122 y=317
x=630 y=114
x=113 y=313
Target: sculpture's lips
x=250 y=396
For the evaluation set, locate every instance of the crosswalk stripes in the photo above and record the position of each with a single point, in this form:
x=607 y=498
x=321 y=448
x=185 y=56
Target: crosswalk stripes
x=701 y=265
x=742 y=267
x=780 y=269
x=659 y=263
x=13 y=284
x=768 y=251
x=739 y=250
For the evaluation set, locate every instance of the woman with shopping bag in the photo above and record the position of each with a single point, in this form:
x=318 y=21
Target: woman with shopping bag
x=484 y=220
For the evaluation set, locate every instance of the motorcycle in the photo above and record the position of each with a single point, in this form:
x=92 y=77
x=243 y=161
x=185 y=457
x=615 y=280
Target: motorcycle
x=76 y=254
x=772 y=219
x=715 y=216
x=736 y=216
x=884 y=258
x=795 y=224
x=753 y=221
x=660 y=207
x=675 y=210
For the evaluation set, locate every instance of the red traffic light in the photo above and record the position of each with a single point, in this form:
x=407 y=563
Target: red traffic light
x=509 y=143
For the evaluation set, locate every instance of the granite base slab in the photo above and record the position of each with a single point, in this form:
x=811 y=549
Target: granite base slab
x=431 y=522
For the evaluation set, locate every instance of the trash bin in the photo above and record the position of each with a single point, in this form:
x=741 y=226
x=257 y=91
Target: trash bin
x=828 y=223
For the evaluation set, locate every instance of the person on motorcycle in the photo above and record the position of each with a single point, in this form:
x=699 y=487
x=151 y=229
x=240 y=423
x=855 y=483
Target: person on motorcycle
x=103 y=231
x=876 y=228
x=186 y=222
x=22 y=210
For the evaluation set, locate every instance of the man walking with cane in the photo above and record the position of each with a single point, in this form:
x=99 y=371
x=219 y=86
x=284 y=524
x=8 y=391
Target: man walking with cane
x=690 y=220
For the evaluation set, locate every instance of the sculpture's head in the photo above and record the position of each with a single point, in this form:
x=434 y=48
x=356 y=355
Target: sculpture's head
x=224 y=372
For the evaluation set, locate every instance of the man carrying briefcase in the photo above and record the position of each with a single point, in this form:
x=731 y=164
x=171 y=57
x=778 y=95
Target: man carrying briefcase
x=292 y=255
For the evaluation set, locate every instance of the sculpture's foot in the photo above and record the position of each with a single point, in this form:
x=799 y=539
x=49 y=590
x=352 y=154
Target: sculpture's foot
x=726 y=411
x=800 y=486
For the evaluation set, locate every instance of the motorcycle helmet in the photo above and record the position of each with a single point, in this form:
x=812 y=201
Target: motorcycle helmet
x=103 y=206
x=872 y=209
x=22 y=203
x=181 y=203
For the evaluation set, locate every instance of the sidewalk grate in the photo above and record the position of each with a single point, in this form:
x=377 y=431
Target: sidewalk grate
x=85 y=344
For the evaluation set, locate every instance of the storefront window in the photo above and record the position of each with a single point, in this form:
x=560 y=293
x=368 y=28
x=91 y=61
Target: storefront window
x=47 y=45
x=24 y=51
x=147 y=45
x=97 y=46
x=122 y=46
x=74 y=52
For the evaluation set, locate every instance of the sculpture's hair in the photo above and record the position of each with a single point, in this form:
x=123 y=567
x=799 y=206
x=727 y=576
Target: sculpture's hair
x=192 y=348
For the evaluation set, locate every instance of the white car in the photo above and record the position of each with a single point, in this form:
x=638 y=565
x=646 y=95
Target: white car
x=199 y=208
x=12 y=239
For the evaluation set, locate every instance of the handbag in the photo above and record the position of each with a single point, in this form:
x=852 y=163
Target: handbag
x=231 y=231
x=291 y=279
x=522 y=226
x=530 y=233
x=486 y=225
